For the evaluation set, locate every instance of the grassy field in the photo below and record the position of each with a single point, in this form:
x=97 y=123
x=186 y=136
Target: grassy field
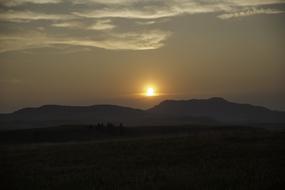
x=216 y=158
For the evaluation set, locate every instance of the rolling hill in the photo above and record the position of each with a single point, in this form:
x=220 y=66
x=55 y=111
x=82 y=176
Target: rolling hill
x=220 y=110
x=211 y=111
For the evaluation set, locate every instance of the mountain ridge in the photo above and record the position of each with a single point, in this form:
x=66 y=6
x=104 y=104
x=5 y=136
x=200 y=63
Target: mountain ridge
x=73 y=108
x=219 y=109
x=210 y=111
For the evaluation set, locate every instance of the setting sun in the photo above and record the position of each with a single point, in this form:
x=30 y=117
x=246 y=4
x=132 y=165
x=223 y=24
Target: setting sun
x=150 y=91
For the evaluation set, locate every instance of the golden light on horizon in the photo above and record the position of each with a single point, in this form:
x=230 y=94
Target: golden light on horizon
x=150 y=91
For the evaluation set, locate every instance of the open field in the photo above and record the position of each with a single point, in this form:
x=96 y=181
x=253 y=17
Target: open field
x=192 y=158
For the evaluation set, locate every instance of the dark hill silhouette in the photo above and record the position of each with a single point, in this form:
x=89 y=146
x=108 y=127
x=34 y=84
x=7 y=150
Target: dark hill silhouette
x=56 y=110
x=54 y=115
x=170 y=112
x=220 y=110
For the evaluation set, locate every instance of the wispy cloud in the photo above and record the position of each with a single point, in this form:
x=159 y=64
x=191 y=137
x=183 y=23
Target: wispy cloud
x=16 y=42
x=249 y=12
x=108 y=2
x=166 y=8
x=137 y=9
x=131 y=2
x=27 y=16
x=148 y=22
x=153 y=11
x=100 y=25
x=254 y=2
x=12 y=3
x=136 y=29
x=114 y=41
x=68 y=24
x=128 y=41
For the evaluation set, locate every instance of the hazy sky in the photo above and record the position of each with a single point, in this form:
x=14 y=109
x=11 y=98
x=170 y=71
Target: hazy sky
x=85 y=52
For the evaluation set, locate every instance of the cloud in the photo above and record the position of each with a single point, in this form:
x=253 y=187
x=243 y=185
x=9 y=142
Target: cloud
x=15 y=42
x=249 y=12
x=148 y=22
x=100 y=25
x=255 y=2
x=95 y=22
x=131 y=9
x=152 y=11
x=115 y=41
x=68 y=24
x=12 y=3
x=108 y=2
x=132 y=2
x=165 y=8
x=27 y=16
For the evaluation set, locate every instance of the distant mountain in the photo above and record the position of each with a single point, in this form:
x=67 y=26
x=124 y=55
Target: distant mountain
x=54 y=115
x=169 y=112
x=220 y=110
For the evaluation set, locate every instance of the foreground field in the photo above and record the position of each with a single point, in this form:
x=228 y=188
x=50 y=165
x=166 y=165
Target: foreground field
x=209 y=159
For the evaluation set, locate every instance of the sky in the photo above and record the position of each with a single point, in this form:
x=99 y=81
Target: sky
x=86 y=52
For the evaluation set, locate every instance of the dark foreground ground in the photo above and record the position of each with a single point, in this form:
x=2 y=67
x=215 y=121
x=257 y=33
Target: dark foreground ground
x=146 y=158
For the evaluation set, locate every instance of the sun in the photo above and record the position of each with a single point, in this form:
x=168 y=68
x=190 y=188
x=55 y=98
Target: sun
x=150 y=91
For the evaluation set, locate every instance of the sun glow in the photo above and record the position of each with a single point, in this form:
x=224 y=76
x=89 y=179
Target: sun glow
x=150 y=91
